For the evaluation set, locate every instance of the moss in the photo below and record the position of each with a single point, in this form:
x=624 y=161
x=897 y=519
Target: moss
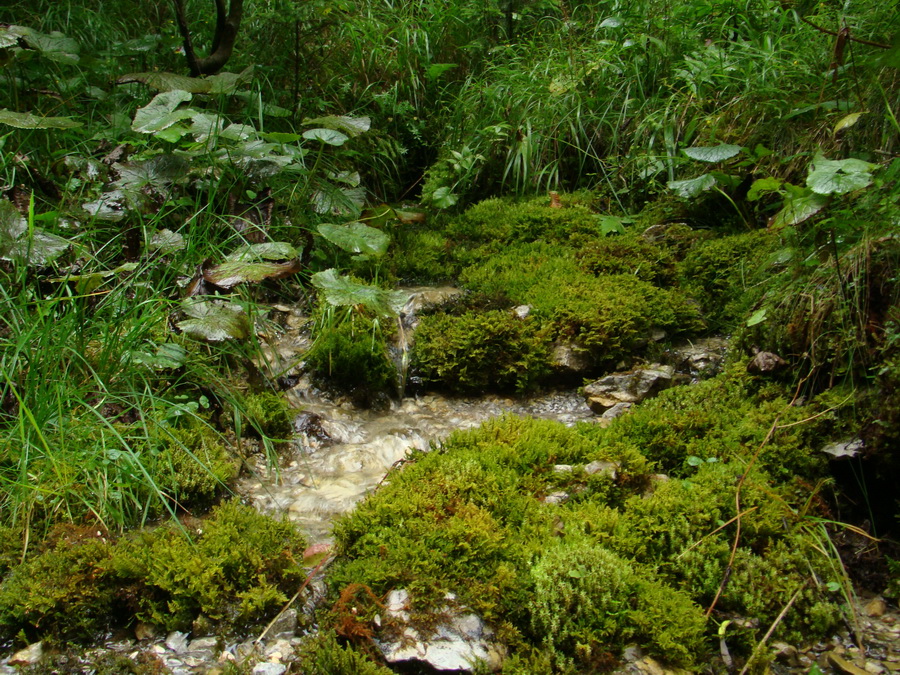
x=477 y=352
x=351 y=355
x=324 y=655
x=191 y=464
x=62 y=592
x=629 y=254
x=422 y=256
x=268 y=413
x=240 y=567
x=610 y=316
x=724 y=275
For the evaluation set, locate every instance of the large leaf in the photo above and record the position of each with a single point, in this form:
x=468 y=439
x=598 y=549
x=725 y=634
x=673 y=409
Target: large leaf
x=692 y=187
x=253 y=263
x=36 y=247
x=166 y=242
x=214 y=320
x=341 y=291
x=168 y=356
x=351 y=126
x=356 y=238
x=799 y=204
x=838 y=177
x=327 y=136
x=55 y=46
x=29 y=121
x=716 y=153
x=338 y=201
x=157 y=172
x=162 y=112
x=110 y=206
x=222 y=83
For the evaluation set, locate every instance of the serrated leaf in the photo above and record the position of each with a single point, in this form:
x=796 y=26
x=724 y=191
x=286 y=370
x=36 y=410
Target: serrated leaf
x=8 y=37
x=254 y=263
x=335 y=200
x=214 y=320
x=715 y=153
x=327 y=136
x=110 y=206
x=55 y=46
x=351 y=126
x=221 y=83
x=162 y=112
x=29 y=121
x=282 y=137
x=612 y=225
x=763 y=186
x=847 y=121
x=692 y=187
x=435 y=70
x=268 y=250
x=356 y=238
x=35 y=246
x=342 y=291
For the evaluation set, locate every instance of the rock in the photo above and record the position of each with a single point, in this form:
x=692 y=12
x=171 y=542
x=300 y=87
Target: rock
x=522 y=311
x=457 y=641
x=765 y=363
x=602 y=467
x=203 y=644
x=849 y=447
x=285 y=624
x=177 y=641
x=787 y=654
x=617 y=410
x=563 y=468
x=631 y=387
x=28 y=656
x=269 y=669
x=570 y=357
x=144 y=631
x=699 y=358
x=843 y=665
x=876 y=607
x=310 y=425
x=556 y=498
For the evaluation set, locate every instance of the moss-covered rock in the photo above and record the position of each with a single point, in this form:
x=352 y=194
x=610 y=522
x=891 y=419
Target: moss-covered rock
x=477 y=352
x=267 y=413
x=239 y=567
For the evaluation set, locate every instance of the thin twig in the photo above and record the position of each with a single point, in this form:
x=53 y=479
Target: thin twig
x=709 y=534
x=290 y=602
x=772 y=628
x=850 y=37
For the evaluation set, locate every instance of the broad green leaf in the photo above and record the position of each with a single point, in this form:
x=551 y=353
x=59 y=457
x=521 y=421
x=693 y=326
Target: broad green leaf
x=800 y=204
x=281 y=137
x=55 y=46
x=206 y=128
x=157 y=173
x=327 y=136
x=342 y=291
x=693 y=186
x=351 y=126
x=17 y=242
x=847 y=121
x=110 y=206
x=612 y=225
x=443 y=198
x=255 y=262
x=763 y=186
x=228 y=83
x=9 y=37
x=435 y=70
x=827 y=177
x=87 y=283
x=716 y=153
x=356 y=238
x=162 y=112
x=339 y=201
x=222 y=83
x=757 y=317
x=29 y=121
x=214 y=320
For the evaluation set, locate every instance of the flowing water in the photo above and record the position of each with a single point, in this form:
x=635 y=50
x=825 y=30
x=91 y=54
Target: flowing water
x=340 y=453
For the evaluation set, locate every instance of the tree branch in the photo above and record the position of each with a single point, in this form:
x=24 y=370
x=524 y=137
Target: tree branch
x=228 y=21
x=837 y=34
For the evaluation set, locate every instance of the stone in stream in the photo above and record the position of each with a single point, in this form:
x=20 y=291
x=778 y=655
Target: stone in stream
x=630 y=387
x=458 y=641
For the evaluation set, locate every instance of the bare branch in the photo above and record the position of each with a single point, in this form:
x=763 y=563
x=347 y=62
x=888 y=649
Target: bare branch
x=228 y=21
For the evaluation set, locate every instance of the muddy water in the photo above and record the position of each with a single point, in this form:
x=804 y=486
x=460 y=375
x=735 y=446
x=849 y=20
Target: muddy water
x=341 y=453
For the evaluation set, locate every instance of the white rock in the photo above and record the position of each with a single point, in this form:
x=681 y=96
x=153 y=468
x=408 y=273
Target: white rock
x=177 y=641
x=269 y=669
x=28 y=656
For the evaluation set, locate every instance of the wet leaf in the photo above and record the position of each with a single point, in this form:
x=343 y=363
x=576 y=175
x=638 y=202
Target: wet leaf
x=327 y=136
x=356 y=238
x=351 y=126
x=55 y=46
x=29 y=121
x=716 y=153
x=214 y=320
x=847 y=121
x=221 y=83
x=166 y=242
x=829 y=177
x=168 y=356
x=339 y=201
x=757 y=317
x=612 y=225
x=799 y=204
x=162 y=112
x=35 y=246
x=342 y=291
x=254 y=263
x=443 y=198
x=763 y=186
x=692 y=187
x=158 y=172
x=110 y=206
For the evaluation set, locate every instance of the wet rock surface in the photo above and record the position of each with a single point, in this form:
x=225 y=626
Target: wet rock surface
x=630 y=387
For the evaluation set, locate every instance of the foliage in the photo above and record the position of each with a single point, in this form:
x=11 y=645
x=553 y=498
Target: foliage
x=324 y=655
